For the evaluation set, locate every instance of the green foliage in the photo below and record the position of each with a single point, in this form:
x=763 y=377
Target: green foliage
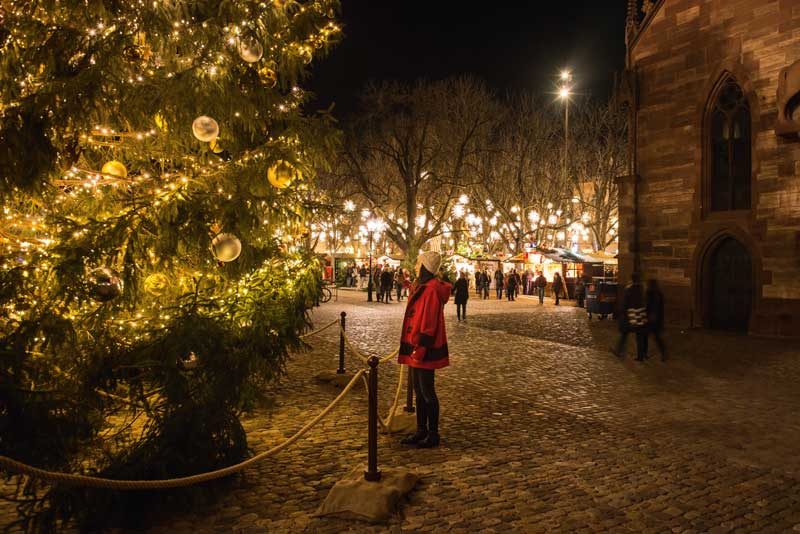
x=189 y=343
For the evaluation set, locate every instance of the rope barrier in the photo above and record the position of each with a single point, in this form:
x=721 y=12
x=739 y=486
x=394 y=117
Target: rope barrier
x=14 y=466
x=360 y=356
x=385 y=424
x=98 y=482
x=335 y=321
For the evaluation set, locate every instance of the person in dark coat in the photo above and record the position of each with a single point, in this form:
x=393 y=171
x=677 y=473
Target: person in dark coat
x=487 y=281
x=511 y=285
x=541 y=284
x=387 y=279
x=654 y=302
x=558 y=287
x=580 y=291
x=461 y=294
x=423 y=345
x=633 y=318
x=498 y=283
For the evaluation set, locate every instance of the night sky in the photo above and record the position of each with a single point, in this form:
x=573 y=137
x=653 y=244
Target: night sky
x=510 y=45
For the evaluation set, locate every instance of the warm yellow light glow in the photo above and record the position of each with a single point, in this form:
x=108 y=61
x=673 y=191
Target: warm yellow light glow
x=566 y=75
x=563 y=92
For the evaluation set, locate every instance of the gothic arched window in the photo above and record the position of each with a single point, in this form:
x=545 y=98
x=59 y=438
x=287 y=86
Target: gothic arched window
x=729 y=150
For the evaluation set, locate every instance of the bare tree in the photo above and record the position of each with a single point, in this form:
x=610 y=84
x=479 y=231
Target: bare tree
x=601 y=155
x=413 y=150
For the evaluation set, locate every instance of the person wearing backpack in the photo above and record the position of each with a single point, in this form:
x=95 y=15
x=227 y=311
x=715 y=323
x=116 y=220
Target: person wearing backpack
x=633 y=319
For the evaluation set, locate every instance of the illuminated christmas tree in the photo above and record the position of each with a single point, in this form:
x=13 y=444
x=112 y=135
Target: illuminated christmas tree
x=154 y=162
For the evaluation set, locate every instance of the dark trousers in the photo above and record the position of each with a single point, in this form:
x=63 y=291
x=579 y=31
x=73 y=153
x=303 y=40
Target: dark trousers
x=485 y=291
x=399 y=292
x=641 y=342
x=511 y=293
x=540 y=292
x=662 y=349
x=556 y=294
x=499 y=291
x=461 y=310
x=427 y=401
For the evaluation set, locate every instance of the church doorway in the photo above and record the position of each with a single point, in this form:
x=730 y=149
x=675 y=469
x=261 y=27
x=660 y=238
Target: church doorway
x=729 y=287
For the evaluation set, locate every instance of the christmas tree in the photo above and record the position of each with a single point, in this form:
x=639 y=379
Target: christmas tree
x=155 y=171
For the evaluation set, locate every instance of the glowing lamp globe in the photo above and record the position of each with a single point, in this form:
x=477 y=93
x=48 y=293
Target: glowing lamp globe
x=205 y=128
x=115 y=168
x=226 y=247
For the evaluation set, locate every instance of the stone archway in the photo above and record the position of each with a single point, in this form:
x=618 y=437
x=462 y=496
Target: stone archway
x=728 y=285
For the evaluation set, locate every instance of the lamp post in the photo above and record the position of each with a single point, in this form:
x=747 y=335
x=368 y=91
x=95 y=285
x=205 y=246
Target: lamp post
x=372 y=226
x=564 y=93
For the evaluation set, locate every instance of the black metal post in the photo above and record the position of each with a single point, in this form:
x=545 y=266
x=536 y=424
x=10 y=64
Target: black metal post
x=410 y=391
x=372 y=474
x=369 y=283
x=340 y=370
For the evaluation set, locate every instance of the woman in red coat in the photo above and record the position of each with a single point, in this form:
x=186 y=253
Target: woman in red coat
x=423 y=345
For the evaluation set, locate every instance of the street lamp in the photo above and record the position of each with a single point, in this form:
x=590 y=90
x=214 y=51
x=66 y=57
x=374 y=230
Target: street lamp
x=564 y=94
x=372 y=227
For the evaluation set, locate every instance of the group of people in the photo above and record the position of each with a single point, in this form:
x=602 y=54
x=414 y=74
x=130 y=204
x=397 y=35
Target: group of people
x=388 y=280
x=355 y=276
x=641 y=314
x=513 y=283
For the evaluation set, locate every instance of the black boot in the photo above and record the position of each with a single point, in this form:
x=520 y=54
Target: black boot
x=430 y=441
x=415 y=439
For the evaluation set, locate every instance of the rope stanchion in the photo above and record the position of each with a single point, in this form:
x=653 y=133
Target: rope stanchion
x=320 y=330
x=14 y=466
x=387 y=423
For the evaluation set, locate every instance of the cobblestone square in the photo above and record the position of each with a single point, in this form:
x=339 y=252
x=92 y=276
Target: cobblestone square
x=543 y=430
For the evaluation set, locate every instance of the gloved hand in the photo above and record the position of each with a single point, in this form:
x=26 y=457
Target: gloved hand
x=418 y=354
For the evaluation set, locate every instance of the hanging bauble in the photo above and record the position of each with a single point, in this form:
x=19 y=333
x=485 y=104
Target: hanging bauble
x=268 y=76
x=305 y=54
x=115 y=168
x=226 y=247
x=104 y=284
x=161 y=123
x=156 y=284
x=250 y=49
x=191 y=361
x=282 y=174
x=205 y=128
x=215 y=146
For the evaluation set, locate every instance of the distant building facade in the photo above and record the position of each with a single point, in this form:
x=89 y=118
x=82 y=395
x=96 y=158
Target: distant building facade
x=711 y=206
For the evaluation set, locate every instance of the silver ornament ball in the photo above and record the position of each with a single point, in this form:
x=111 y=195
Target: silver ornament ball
x=205 y=128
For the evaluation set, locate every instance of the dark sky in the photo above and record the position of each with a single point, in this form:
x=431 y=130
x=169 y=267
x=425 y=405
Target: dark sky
x=513 y=45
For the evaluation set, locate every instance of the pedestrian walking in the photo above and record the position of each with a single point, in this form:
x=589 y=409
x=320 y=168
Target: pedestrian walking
x=386 y=281
x=362 y=276
x=461 y=294
x=487 y=281
x=654 y=303
x=541 y=284
x=406 y=282
x=423 y=346
x=498 y=283
x=558 y=287
x=580 y=291
x=633 y=319
x=511 y=285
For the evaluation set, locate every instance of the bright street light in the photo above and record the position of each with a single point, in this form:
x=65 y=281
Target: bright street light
x=566 y=75
x=563 y=93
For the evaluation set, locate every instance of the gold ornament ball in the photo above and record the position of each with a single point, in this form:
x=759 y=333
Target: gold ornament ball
x=215 y=147
x=226 y=247
x=205 y=128
x=156 y=284
x=305 y=54
x=268 y=76
x=104 y=284
x=250 y=49
x=115 y=168
x=282 y=174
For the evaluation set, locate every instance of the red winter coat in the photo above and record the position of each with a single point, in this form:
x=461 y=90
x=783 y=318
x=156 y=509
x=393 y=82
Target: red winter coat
x=423 y=341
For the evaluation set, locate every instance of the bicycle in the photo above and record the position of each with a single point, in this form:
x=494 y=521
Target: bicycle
x=326 y=294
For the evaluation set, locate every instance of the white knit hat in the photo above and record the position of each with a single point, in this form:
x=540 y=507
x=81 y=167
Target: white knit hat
x=431 y=261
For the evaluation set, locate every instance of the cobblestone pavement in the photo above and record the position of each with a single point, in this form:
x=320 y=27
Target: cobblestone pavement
x=543 y=430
